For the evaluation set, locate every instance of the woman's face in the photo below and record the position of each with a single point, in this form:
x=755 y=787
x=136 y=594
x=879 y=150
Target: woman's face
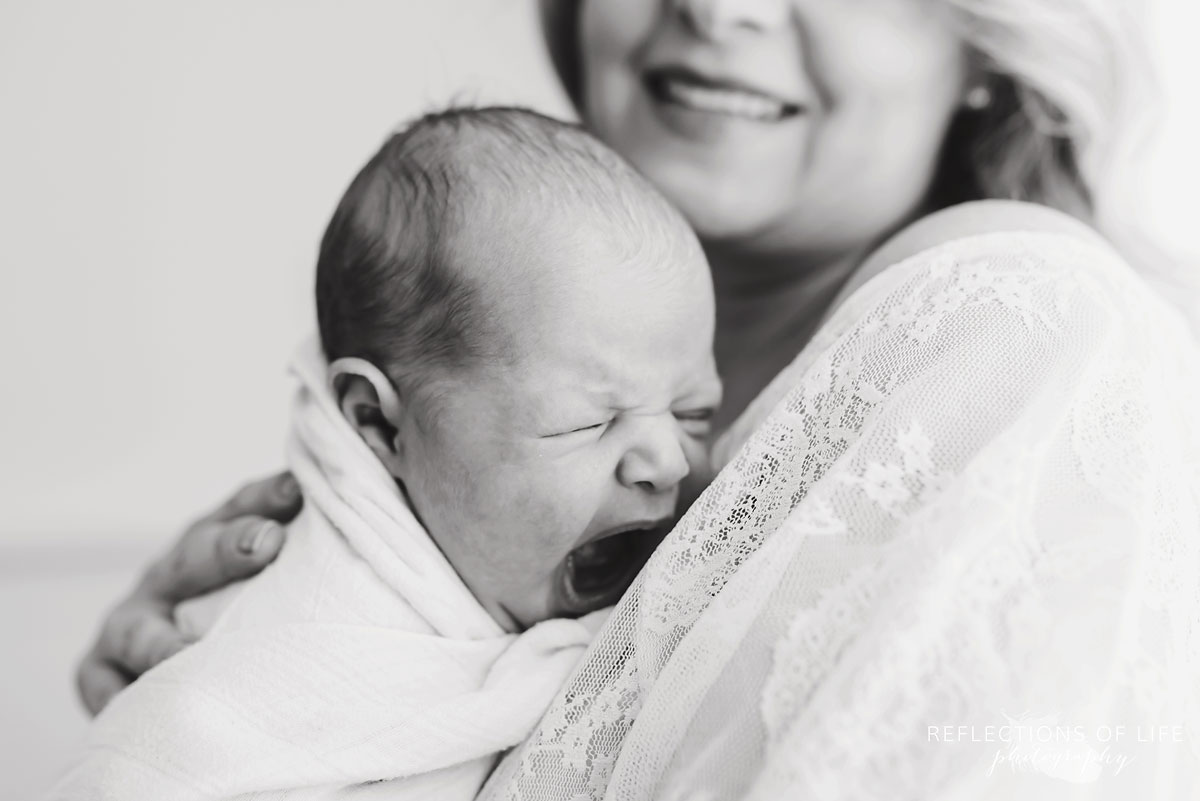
x=806 y=125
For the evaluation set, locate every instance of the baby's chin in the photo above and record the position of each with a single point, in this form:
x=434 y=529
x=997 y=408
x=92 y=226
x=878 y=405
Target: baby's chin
x=596 y=574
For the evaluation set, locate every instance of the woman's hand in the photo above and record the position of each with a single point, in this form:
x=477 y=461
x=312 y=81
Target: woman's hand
x=237 y=540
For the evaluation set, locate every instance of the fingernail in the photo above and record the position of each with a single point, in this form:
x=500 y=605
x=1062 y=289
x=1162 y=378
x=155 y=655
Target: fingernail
x=252 y=539
x=288 y=488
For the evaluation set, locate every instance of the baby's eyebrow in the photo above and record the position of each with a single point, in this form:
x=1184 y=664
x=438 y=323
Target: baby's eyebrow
x=701 y=389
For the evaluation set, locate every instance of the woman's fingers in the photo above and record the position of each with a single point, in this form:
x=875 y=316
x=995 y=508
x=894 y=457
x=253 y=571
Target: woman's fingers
x=237 y=540
x=137 y=635
x=211 y=554
x=275 y=497
x=98 y=681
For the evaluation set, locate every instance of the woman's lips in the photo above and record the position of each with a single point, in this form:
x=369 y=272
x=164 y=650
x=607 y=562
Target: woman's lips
x=689 y=90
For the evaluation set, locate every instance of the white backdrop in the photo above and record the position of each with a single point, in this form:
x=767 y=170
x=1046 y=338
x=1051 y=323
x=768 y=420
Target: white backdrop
x=166 y=169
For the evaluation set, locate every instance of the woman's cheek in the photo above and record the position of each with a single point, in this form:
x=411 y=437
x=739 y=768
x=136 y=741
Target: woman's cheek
x=892 y=73
x=612 y=32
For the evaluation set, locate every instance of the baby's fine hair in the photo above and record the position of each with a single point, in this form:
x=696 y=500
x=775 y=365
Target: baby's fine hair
x=387 y=287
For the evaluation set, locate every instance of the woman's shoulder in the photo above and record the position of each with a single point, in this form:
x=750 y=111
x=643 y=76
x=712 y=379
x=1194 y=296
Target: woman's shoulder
x=1008 y=235
x=993 y=283
x=978 y=218
x=999 y=220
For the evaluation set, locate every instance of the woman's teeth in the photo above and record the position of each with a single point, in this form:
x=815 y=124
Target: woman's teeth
x=732 y=102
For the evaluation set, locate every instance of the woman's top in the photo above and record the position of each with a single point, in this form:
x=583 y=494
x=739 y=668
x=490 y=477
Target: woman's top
x=954 y=552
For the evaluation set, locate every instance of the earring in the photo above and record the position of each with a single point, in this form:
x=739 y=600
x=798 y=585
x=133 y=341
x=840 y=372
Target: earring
x=978 y=98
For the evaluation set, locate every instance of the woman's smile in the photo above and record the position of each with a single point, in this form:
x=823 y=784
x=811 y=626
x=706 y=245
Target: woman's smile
x=810 y=123
x=684 y=88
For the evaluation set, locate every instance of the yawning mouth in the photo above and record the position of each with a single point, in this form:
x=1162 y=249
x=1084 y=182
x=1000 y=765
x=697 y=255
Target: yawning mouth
x=597 y=573
x=689 y=90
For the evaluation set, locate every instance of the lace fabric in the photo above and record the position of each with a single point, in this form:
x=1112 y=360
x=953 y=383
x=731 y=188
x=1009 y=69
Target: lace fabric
x=954 y=552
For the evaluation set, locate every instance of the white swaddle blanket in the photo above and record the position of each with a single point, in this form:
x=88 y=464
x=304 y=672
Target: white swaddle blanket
x=358 y=656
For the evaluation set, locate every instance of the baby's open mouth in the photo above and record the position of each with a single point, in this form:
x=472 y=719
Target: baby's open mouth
x=597 y=573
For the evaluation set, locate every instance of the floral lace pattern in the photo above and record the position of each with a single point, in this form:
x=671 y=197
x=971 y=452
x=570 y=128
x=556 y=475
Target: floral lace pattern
x=973 y=500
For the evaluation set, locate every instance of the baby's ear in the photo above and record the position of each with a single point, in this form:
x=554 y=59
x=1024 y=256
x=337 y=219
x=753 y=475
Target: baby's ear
x=370 y=404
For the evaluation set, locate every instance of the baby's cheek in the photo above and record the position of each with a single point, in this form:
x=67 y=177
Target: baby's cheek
x=510 y=520
x=552 y=517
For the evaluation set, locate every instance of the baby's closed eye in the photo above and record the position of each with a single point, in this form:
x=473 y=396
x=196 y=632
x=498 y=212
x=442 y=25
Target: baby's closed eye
x=579 y=429
x=697 y=422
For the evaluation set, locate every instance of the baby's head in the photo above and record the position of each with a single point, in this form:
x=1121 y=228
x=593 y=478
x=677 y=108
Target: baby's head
x=541 y=321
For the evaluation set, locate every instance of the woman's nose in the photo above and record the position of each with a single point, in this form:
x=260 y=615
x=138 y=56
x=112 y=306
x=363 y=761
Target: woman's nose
x=716 y=20
x=657 y=461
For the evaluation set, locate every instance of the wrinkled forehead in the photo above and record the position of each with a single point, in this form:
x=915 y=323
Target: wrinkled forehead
x=576 y=300
x=581 y=321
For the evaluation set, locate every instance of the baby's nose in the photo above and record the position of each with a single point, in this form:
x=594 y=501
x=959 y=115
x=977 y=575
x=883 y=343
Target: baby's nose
x=657 y=462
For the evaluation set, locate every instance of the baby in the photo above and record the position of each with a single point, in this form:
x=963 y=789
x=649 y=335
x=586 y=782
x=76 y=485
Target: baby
x=514 y=377
x=540 y=321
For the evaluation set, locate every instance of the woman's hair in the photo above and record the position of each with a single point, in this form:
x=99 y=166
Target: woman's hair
x=1075 y=99
x=1072 y=96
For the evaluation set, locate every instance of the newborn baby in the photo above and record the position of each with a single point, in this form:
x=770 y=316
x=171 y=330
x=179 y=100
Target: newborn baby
x=535 y=324
x=514 y=377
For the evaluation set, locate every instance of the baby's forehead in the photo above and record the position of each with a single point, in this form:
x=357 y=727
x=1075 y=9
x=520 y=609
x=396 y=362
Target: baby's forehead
x=549 y=228
x=563 y=262
x=549 y=172
x=579 y=307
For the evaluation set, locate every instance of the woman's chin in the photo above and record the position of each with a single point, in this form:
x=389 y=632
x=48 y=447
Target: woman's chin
x=717 y=210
